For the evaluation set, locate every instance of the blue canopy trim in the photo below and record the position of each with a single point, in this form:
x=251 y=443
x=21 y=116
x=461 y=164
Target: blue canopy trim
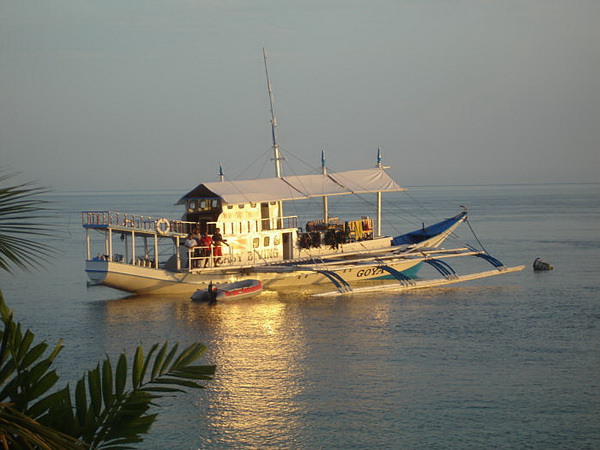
x=425 y=233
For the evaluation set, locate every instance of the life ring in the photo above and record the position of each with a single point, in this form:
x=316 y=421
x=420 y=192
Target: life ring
x=162 y=226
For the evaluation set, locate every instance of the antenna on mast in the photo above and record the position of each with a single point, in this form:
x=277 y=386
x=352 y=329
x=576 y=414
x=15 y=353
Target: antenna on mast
x=276 y=157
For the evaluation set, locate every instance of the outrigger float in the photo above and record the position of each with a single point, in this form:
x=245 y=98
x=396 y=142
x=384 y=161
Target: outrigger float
x=145 y=255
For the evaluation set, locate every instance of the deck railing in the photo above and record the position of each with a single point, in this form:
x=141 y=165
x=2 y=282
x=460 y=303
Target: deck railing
x=135 y=222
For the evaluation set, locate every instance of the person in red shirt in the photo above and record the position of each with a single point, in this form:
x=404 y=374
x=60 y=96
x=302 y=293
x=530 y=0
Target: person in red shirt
x=205 y=245
x=217 y=242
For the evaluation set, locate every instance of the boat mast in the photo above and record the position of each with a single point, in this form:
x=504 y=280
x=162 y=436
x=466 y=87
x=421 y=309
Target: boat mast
x=325 y=199
x=276 y=157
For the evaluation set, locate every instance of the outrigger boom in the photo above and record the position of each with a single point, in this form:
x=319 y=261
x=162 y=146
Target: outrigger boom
x=407 y=286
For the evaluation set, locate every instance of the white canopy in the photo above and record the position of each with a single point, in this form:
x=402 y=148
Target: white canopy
x=300 y=187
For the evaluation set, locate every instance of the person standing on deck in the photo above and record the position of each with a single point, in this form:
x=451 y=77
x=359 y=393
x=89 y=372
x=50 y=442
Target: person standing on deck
x=191 y=244
x=197 y=250
x=217 y=242
x=205 y=244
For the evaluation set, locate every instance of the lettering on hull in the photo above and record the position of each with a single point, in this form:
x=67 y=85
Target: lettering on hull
x=370 y=272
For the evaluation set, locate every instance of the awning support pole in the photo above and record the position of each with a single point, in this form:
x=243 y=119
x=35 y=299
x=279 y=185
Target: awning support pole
x=379 y=166
x=325 y=199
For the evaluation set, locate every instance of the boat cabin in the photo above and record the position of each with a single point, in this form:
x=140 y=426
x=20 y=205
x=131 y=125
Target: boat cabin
x=208 y=209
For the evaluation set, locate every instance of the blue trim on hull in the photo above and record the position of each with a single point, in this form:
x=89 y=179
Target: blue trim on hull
x=425 y=233
x=409 y=273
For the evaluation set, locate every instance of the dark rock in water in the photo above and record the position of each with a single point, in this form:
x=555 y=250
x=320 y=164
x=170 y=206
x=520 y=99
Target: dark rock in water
x=540 y=264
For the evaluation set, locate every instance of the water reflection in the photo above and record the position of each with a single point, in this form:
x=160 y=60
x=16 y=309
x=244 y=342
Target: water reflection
x=285 y=363
x=260 y=351
x=142 y=307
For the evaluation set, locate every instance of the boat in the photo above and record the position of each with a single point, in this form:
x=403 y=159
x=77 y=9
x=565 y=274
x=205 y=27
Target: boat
x=230 y=291
x=148 y=255
x=145 y=255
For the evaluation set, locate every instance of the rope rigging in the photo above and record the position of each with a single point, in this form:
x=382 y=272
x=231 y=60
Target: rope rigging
x=475 y=236
x=393 y=208
x=395 y=211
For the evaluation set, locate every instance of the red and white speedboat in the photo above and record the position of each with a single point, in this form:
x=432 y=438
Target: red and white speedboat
x=230 y=291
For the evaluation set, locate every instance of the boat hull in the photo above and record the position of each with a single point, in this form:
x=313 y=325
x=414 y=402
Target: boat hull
x=147 y=280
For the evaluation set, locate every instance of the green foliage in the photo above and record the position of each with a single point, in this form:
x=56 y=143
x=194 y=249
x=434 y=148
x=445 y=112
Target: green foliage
x=20 y=431
x=103 y=412
x=21 y=214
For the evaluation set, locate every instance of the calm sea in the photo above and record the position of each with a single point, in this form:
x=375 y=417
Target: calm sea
x=504 y=362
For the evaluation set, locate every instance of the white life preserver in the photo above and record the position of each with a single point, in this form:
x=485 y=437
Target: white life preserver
x=162 y=226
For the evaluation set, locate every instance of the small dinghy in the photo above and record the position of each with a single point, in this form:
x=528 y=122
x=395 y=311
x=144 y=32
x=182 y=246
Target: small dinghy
x=230 y=291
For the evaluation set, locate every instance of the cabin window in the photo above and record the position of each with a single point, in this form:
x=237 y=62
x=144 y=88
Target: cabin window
x=267 y=241
x=229 y=206
x=255 y=242
x=253 y=205
x=215 y=203
x=202 y=204
x=241 y=206
x=273 y=203
x=192 y=205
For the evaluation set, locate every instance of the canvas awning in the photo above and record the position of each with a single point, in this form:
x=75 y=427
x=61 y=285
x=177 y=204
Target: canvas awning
x=297 y=187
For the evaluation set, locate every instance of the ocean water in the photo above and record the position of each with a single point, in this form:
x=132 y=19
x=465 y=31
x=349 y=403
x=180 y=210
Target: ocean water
x=504 y=362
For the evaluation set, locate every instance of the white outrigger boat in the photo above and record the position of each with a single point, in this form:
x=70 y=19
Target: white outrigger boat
x=145 y=255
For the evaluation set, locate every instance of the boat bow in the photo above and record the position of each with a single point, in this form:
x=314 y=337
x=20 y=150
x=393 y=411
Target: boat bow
x=431 y=236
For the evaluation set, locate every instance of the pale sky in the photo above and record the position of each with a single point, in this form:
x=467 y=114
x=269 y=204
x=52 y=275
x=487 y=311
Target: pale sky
x=156 y=94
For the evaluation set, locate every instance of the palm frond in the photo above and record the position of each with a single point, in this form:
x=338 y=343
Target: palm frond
x=23 y=214
x=17 y=430
x=104 y=411
x=123 y=417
